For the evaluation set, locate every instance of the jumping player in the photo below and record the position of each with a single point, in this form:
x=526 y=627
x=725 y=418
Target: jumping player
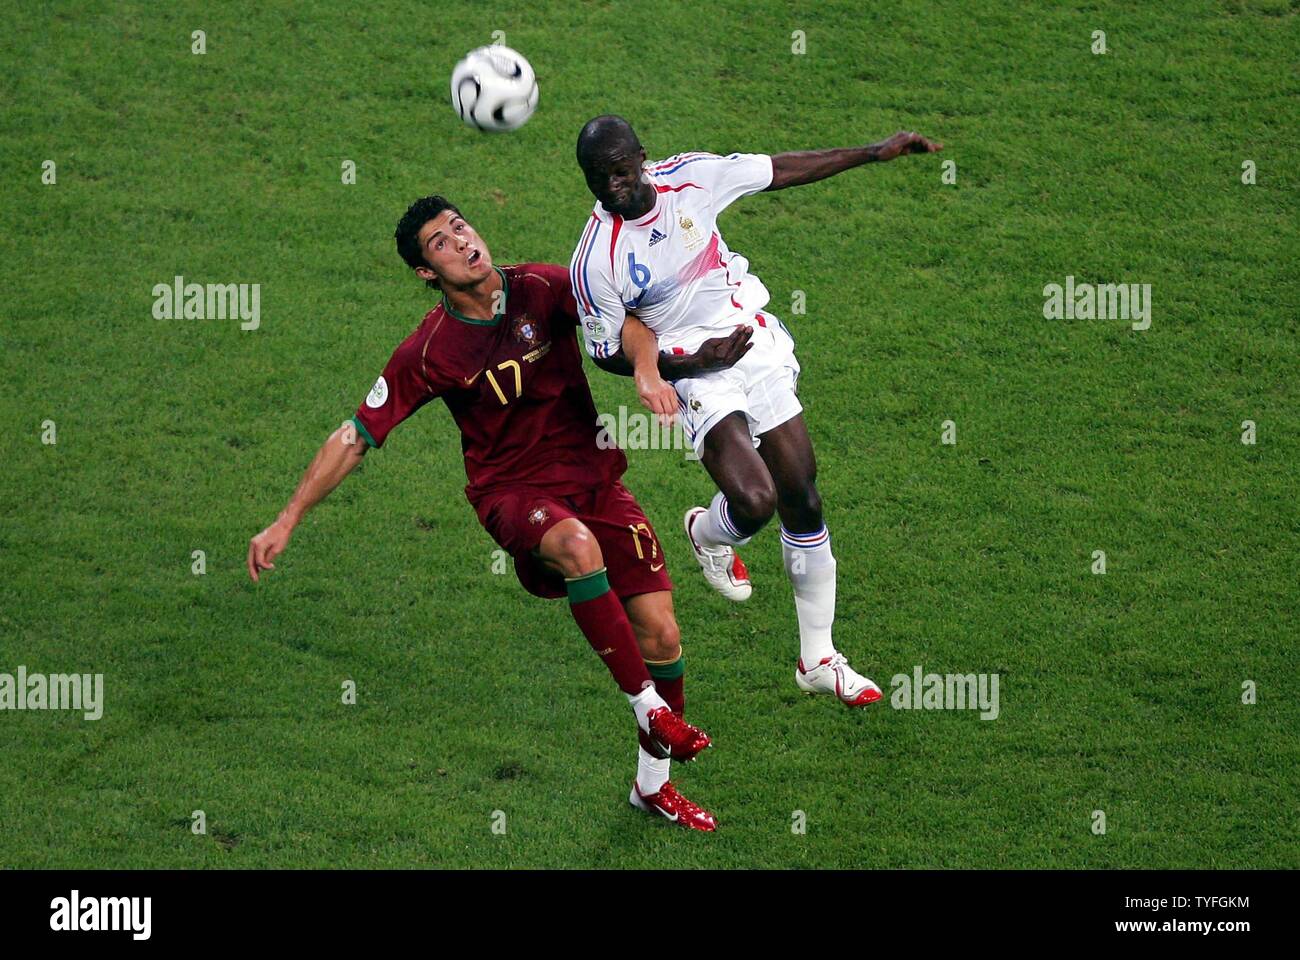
x=501 y=352
x=651 y=248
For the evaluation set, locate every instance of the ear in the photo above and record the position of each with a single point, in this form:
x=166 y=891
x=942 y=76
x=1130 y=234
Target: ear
x=427 y=275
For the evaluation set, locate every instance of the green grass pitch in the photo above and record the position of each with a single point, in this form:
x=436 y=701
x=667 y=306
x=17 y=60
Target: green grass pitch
x=1120 y=692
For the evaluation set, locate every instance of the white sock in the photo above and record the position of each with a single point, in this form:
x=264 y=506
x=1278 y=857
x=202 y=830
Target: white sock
x=642 y=703
x=811 y=568
x=651 y=771
x=715 y=529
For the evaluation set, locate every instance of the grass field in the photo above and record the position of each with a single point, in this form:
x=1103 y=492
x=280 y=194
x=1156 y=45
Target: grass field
x=1119 y=692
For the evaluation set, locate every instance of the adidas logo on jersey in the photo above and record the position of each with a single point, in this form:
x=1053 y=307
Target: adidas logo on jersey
x=656 y=236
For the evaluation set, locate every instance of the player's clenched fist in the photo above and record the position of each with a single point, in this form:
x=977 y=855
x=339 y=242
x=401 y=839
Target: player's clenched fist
x=265 y=547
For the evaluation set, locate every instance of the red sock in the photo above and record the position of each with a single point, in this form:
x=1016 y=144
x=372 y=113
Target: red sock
x=669 y=680
x=604 y=623
x=672 y=692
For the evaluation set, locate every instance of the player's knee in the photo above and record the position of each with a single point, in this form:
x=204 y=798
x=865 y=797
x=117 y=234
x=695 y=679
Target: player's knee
x=670 y=641
x=802 y=507
x=753 y=505
x=664 y=642
x=575 y=550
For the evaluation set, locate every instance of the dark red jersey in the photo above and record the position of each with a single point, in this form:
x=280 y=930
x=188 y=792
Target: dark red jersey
x=514 y=386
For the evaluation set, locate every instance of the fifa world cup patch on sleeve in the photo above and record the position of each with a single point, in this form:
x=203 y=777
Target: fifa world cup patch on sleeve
x=538 y=515
x=378 y=394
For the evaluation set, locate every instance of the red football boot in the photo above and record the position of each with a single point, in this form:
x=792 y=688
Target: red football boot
x=674 y=736
x=673 y=806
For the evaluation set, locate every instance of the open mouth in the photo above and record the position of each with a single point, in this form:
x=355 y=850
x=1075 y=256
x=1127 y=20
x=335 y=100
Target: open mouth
x=475 y=257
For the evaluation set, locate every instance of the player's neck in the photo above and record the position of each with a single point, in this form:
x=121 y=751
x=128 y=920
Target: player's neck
x=477 y=302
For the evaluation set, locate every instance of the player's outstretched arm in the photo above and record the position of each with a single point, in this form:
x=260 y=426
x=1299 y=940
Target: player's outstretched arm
x=335 y=460
x=809 y=166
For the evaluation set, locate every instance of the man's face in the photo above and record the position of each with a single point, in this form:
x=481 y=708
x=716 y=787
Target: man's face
x=456 y=254
x=614 y=178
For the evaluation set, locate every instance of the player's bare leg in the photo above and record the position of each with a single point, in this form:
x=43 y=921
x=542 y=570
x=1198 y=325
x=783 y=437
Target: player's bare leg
x=745 y=502
x=659 y=638
x=806 y=546
x=572 y=550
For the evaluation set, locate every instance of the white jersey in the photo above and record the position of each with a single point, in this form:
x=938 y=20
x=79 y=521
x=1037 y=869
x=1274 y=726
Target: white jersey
x=671 y=268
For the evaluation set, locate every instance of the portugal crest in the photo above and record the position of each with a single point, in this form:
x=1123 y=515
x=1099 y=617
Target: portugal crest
x=526 y=331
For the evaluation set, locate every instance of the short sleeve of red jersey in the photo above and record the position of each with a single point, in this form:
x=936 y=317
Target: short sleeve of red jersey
x=565 y=309
x=727 y=178
x=600 y=308
x=400 y=390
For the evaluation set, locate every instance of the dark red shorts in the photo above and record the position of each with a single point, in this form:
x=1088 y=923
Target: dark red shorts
x=518 y=518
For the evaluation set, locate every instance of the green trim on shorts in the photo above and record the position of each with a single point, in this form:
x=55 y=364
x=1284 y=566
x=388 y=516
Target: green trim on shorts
x=582 y=589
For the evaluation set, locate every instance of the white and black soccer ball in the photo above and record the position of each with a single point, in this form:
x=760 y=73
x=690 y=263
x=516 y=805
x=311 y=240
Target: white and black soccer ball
x=494 y=88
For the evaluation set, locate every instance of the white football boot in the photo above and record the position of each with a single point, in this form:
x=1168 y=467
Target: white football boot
x=834 y=675
x=722 y=566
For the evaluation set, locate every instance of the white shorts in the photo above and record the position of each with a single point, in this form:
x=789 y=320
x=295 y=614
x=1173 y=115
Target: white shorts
x=761 y=386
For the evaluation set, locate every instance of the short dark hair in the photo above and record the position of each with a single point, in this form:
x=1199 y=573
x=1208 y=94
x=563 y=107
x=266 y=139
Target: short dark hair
x=407 y=234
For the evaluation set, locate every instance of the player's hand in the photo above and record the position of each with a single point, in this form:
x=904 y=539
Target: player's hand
x=719 y=353
x=659 y=397
x=265 y=547
x=906 y=141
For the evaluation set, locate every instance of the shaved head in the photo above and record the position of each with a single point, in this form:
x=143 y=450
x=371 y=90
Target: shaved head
x=604 y=135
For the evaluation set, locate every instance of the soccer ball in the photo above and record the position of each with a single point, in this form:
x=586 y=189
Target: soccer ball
x=494 y=88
